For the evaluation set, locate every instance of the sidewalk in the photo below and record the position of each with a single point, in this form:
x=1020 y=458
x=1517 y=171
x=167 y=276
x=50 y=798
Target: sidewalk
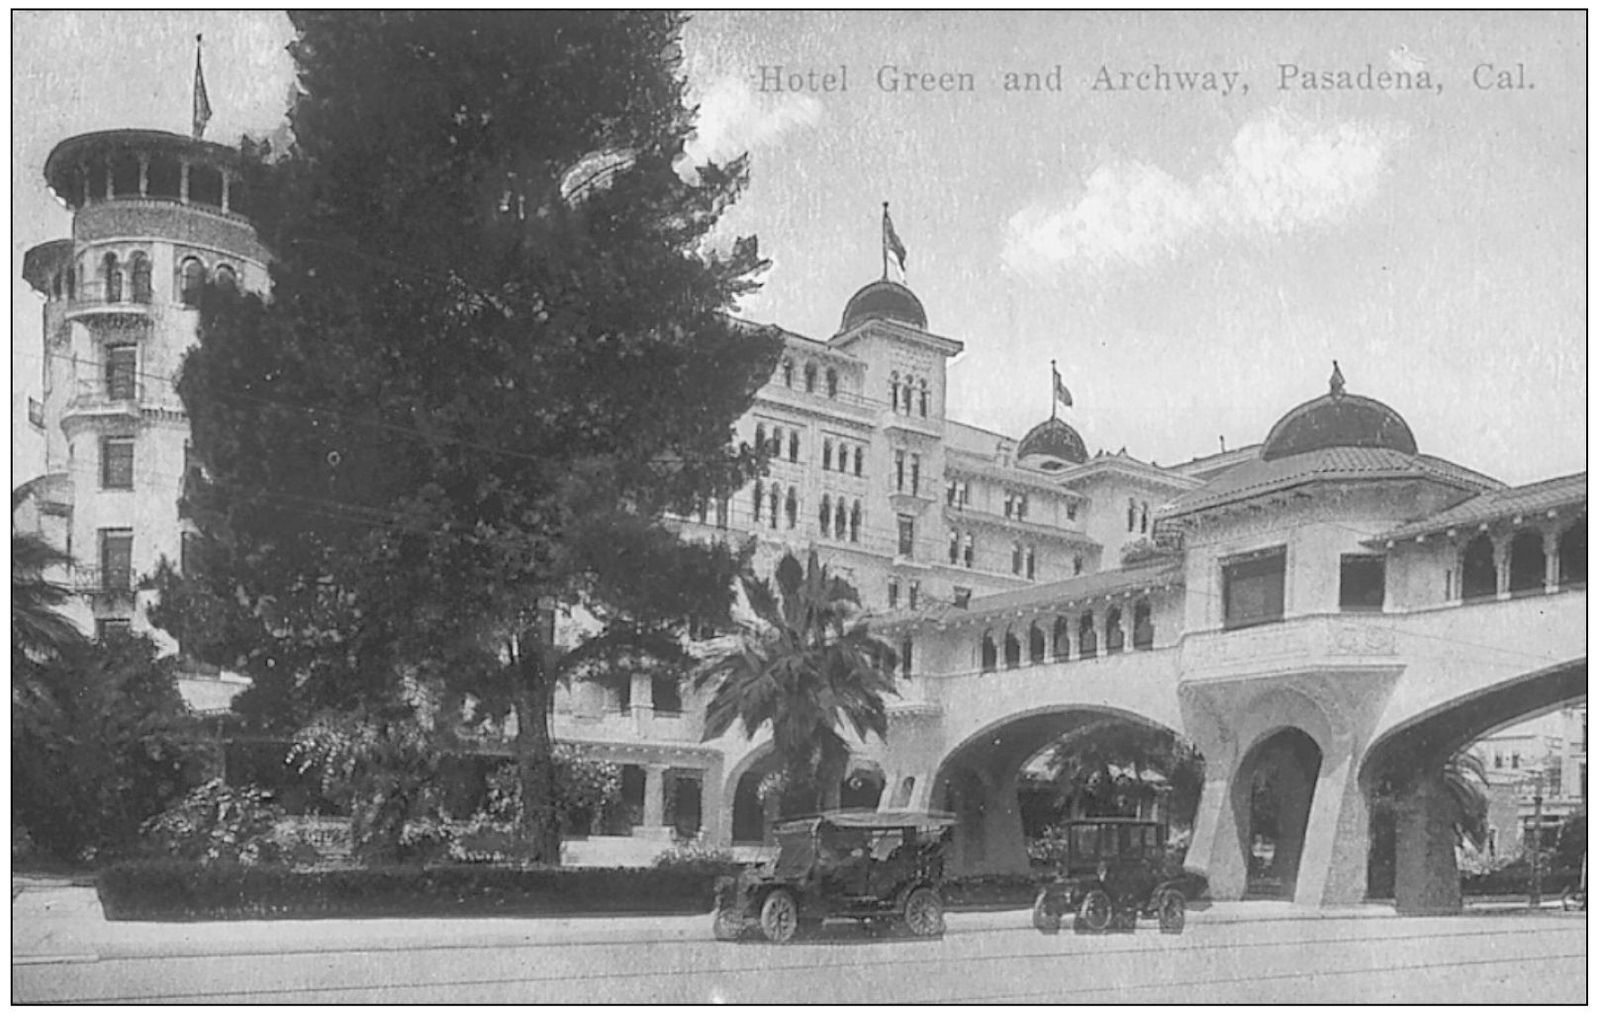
x=53 y=922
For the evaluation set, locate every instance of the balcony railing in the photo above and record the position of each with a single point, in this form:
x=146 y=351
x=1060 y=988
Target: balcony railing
x=103 y=581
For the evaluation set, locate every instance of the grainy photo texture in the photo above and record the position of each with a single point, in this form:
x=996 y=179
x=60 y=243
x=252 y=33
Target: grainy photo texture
x=792 y=507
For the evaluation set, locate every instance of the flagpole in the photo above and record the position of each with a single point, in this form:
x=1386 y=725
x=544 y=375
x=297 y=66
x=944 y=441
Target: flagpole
x=884 y=248
x=1054 y=389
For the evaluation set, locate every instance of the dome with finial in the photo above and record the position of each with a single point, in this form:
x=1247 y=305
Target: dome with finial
x=1052 y=445
x=1338 y=420
x=883 y=300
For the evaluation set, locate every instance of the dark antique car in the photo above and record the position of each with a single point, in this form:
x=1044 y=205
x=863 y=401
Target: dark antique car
x=859 y=864
x=1112 y=871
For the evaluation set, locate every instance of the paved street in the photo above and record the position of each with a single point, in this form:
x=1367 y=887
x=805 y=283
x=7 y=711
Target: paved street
x=1247 y=952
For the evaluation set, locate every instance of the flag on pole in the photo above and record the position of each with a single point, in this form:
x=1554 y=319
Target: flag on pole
x=1060 y=393
x=203 y=106
x=893 y=243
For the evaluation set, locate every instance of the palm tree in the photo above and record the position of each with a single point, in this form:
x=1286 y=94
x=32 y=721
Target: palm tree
x=1107 y=760
x=1465 y=776
x=39 y=632
x=807 y=665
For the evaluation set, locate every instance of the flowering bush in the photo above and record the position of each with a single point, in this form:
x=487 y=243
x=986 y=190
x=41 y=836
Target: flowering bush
x=697 y=856
x=219 y=824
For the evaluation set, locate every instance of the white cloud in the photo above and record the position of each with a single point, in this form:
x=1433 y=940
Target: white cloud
x=1280 y=174
x=733 y=119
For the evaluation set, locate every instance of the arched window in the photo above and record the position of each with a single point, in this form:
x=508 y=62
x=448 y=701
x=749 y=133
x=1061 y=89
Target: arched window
x=1087 y=636
x=829 y=452
x=1029 y=562
x=1143 y=516
x=140 y=272
x=225 y=276
x=1480 y=569
x=810 y=376
x=1060 y=638
x=857 y=519
x=954 y=547
x=795 y=446
x=111 y=278
x=1527 y=564
x=1018 y=557
x=1572 y=554
x=787 y=369
x=774 y=443
x=987 y=654
x=857 y=461
x=757 y=502
x=790 y=508
x=841 y=452
x=1143 y=625
x=1129 y=517
x=1010 y=649
x=823 y=516
x=923 y=397
x=831 y=382
x=840 y=519
x=968 y=550
x=1037 y=644
x=192 y=276
x=1115 y=630
x=773 y=506
x=896 y=386
x=762 y=437
x=907 y=657
x=907 y=397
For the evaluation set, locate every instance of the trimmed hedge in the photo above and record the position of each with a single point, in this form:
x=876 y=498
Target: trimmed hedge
x=181 y=890
x=1516 y=880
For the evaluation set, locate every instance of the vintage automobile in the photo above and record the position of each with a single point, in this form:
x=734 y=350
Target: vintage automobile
x=1112 y=871
x=856 y=863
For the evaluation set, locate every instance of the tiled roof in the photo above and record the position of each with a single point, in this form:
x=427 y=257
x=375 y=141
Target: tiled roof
x=1256 y=477
x=1163 y=572
x=1530 y=499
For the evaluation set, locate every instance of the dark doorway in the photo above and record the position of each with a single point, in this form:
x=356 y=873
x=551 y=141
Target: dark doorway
x=1272 y=797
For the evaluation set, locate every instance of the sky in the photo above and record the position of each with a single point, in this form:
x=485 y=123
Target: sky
x=1192 y=258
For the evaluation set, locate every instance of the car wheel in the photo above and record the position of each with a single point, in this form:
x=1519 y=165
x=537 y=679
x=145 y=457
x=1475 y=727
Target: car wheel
x=1096 y=913
x=779 y=918
x=923 y=913
x=1046 y=917
x=1171 y=912
x=727 y=925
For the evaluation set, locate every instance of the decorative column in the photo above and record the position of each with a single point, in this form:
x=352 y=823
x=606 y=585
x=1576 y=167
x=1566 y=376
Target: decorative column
x=1500 y=549
x=1550 y=555
x=641 y=704
x=652 y=819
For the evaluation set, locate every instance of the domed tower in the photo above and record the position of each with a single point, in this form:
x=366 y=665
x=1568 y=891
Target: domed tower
x=155 y=216
x=1051 y=445
x=883 y=300
x=1338 y=420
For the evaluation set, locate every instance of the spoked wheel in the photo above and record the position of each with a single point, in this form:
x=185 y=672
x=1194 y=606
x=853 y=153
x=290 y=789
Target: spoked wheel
x=1096 y=913
x=1171 y=912
x=779 y=918
x=923 y=913
x=727 y=925
x=1046 y=917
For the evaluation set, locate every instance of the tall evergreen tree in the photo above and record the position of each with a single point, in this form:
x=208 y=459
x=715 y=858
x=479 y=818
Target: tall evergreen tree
x=496 y=352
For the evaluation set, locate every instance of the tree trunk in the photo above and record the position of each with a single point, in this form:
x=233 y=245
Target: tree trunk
x=538 y=826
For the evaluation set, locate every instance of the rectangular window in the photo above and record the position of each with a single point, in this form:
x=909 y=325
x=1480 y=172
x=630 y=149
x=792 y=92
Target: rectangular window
x=952 y=550
x=1363 y=582
x=117 y=463
x=904 y=535
x=914 y=482
x=968 y=550
x=901 y=469
x=1018 y=558
x=106 y=627
x=951 y=494
x=893 y=593
x=960 y=596
x=1029 y=562
x=116 y=560
x=121 y=365
x=1024 y=505
x=1255 y=588
x=912 y=595
x=1007 y=505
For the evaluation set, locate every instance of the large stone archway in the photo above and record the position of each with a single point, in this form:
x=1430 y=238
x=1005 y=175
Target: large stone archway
x=978 y=780
x=1272 y=797
x=1407 y=764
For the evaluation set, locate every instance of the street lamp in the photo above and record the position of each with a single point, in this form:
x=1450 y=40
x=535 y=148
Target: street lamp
x=1537 y=777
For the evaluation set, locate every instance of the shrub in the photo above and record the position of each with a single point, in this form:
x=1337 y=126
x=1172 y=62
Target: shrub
x=696 y=857
x=183 y=890
x=219 y=824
